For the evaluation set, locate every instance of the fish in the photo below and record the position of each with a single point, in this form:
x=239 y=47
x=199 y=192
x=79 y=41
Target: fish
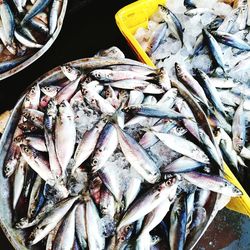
x=26 y=41
x=149 y=139
x=95 y=237
x=152 y=219
x=80 y=222
x=65 y=236
x=87 y=144
x=135 y=97
x=189 y=4
x=211 y=149
x=210 y=91
x=111 y=97
x=239 y=128
x=105 y=147
x=34 y=197
x=65 y=134
x=36 y=142
x=7 y=65
x=229 y=21
x=51 y=220
x=133 y=189
x=177 y=144
x=138 y=157
x=178 y=222
x=173 y=22
x=112 y=183
x=156 y=111
x=182 y=164
x=8 y=21
x=149 y=201
x=213 y=183
x=19 y=178
x=68 y=91
x=230 y=40
x=199 y=11
x=108 y=75
x=38 y=7
x=214 y=49
x=97 y=101
x=36 y=161
x=228 y=152
x=54 y=14
x=190 y=124
x=34 y=116
x=186 y=78
x=49 y=128
x=19 y=6
x=156 y=38
x=107 y=203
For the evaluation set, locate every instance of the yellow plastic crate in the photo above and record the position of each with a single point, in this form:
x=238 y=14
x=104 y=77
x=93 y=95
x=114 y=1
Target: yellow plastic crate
x=136 y=15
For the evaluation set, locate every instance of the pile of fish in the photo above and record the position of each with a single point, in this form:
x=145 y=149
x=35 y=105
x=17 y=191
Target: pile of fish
x=116 y=157
x=25 y=27
x=206 y=47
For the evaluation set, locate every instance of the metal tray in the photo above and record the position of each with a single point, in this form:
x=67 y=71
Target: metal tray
x=40 y=52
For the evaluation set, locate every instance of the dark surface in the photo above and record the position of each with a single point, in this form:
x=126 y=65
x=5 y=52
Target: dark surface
x=89 y=26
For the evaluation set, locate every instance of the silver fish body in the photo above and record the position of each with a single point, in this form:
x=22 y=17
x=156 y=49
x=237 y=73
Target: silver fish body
x=66 y=234
x=96 y=240
x=105 y=147
x=138 y=157
x=239 y=128
x=65 y=134
x=87 y=144
x=81 y=232
x=54 y=14
x=177 y=144
x=51 y=220
x=149 y=201
x=212 y=183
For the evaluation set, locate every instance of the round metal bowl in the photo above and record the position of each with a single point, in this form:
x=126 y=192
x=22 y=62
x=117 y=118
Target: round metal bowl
x=41 y=51
x=15 y=236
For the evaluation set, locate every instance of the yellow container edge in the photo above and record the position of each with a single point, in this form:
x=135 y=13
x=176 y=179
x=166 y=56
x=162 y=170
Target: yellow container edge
x=238 y=204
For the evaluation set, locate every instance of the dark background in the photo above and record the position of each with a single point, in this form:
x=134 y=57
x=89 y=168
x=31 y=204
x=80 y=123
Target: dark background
x=89 y=26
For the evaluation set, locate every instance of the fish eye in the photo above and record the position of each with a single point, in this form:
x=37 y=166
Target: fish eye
x=122 y=238
x=95 y=161
x=26 y=149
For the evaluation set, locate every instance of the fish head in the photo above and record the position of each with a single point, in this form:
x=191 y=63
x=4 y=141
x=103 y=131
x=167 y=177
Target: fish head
x=34 y=91
x=179 y=70
x=50 y=91
x=52 y=108
x=65 y=109
x=22 y=223
x=10 y=167
x=163 y=10
x=238 y=144
x=109 y=93
x=231 y=189
x=124 y=234
x=27 y=150
x=237 y=191
x=26 y=126
x=26 y=113
x=70 y=72
x=19 y=139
